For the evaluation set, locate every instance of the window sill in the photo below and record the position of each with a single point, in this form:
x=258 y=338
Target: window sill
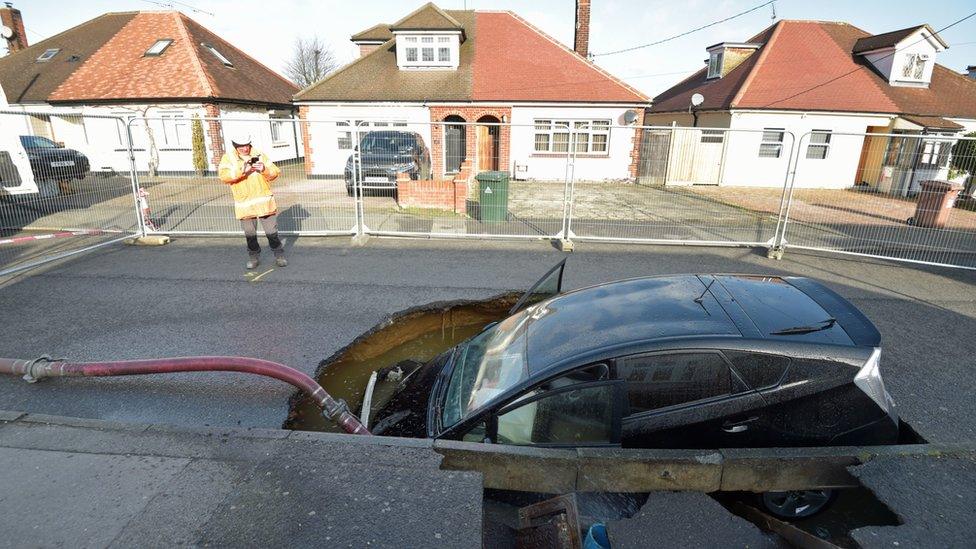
x=564 y=155
x=279 y=145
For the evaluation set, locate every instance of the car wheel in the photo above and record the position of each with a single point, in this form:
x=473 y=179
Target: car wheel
x=797 y=504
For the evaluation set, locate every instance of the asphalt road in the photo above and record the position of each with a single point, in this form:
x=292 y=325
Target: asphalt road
x=192 y=297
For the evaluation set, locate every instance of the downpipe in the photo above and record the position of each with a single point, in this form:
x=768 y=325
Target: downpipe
x=44 y=367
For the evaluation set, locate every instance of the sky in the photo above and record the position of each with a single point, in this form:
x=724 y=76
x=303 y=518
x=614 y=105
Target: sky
x=267 y=30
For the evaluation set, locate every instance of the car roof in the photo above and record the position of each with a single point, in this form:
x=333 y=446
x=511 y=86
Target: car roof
x=618 y=315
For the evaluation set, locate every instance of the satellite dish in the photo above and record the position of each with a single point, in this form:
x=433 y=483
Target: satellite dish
x=6 y=32
x=630 y=117
x=697 y=99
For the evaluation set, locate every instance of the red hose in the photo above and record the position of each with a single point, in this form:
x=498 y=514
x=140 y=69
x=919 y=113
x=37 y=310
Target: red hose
x=33 y=370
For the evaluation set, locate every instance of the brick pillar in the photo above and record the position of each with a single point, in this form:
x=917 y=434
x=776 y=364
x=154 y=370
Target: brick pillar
x=437 y=149
x=635 y=152
x=215 y=132
x=306 y=139
x=582 y=39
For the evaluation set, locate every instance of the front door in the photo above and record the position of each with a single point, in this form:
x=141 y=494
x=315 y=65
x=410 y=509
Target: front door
x=454 y=147
x=488 y=148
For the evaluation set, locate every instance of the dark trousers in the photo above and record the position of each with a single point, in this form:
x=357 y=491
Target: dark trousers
x=270 y=225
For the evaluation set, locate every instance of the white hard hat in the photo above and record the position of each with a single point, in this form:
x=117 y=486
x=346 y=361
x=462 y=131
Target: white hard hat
x=240 y=138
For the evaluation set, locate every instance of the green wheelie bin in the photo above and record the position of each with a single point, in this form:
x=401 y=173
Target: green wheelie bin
x=493 y=196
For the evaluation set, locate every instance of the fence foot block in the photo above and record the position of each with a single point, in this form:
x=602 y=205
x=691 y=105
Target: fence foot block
x=148 y=240
x=360 y=240
x=564 y=245
x=774 y=253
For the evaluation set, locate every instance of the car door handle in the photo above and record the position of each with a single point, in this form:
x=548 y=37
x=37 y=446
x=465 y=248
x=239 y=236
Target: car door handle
x=738 y=426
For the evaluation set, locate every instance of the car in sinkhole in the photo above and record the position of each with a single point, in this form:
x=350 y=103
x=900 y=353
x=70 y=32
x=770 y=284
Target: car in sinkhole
x=685 y=361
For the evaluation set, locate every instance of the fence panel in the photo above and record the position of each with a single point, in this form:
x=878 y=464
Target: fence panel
x=177 y=162
x=62 y=191
x=678 y=185
x=902 y=196
x=459 y=179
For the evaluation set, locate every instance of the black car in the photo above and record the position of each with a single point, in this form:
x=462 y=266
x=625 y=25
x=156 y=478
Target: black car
x=383 y=155
x=688 y=361
x=50 y=160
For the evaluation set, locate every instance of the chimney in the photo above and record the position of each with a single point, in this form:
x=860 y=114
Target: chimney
x=971 y=71
x=10 y=18
x=582 y=41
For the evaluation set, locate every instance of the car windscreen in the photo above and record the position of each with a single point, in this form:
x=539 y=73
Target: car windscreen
x=387 y=144
x=37 y=142
x=486 y=366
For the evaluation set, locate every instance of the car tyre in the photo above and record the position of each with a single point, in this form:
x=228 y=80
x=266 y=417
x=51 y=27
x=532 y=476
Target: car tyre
x=796 y=504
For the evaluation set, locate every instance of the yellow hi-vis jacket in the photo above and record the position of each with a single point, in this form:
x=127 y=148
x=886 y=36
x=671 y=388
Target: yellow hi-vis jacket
x=252 y=196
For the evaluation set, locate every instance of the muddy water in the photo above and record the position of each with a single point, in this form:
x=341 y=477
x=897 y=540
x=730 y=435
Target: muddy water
x=418 y=334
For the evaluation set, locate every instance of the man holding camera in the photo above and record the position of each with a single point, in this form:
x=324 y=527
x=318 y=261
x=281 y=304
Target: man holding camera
x=249 y=173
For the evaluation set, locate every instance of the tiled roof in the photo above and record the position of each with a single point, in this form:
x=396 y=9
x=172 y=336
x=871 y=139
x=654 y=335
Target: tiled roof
x=889 y=39
x=503 y=58
x=934 y=122
x=810 y=66
x=376 y=32
x=113 y=65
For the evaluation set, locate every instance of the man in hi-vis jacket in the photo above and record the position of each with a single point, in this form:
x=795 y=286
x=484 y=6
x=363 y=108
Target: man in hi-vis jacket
x=249 y=173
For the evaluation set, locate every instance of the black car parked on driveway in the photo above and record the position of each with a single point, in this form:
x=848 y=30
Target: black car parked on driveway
x=50 y=160
x=688 y=361
x=383 y=155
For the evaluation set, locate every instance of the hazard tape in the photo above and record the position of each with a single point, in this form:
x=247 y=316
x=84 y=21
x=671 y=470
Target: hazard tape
x=19 y=239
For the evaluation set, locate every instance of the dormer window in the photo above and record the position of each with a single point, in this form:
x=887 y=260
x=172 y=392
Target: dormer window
x=431 y=50
x=715 y=64
x=158 y=48
x=914 y=67
x=47 y=55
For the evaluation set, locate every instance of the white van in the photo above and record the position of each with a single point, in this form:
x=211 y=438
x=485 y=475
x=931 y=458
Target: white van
x=16 y=177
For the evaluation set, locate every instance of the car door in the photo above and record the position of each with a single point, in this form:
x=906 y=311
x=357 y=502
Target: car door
x=687 y=399
x=549 y=285
x=763 y=372
x=584 y=414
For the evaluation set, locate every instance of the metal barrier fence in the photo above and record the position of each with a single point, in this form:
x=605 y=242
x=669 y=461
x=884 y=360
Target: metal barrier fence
x=62 y=191
x=570 y=179
x=895 y=196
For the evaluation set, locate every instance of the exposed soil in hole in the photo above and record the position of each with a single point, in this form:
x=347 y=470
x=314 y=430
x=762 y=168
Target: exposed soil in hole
x=853 y=508
x=418 y=334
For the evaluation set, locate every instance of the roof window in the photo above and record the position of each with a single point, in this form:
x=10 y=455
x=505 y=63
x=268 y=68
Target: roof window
x=48 y=54
x=218 y=55
x=158 y=47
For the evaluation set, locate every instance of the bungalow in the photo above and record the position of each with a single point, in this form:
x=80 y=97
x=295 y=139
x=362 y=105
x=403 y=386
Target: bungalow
x=160 y=65
x=828 y=80
x=482 y=87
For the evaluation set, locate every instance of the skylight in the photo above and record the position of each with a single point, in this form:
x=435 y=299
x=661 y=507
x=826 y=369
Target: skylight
x=218 y=55
x=158 y=47
x=48 y=54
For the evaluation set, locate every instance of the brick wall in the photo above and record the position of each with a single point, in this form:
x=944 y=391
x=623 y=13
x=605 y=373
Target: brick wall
x=471 y=115
x=215 y=132
x=635 y=150
x=306 y=139
x=366 y=49
x=440 y=194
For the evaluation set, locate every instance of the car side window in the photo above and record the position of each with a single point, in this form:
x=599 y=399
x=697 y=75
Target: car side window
x=759 y=370
x=577 y=416
x=667 y=379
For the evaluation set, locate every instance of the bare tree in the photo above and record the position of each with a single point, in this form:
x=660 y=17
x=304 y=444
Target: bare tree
x=310 y=62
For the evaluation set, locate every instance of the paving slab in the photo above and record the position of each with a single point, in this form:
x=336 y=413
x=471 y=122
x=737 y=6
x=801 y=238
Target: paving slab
x=932 y=496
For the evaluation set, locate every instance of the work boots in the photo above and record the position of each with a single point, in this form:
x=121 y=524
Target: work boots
x=252 y=263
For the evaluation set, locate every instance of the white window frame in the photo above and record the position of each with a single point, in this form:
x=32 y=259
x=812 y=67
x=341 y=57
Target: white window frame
x=938 y=150
x=425 y=51
x=158 y=47
x=278 y=125
x=712 y=136
x=176 y=130
x=584 y=132
x=47 y=55
x=819 y=150
x=344 y=136
x=768 y=143
x=715 y=60
x=914 y=65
